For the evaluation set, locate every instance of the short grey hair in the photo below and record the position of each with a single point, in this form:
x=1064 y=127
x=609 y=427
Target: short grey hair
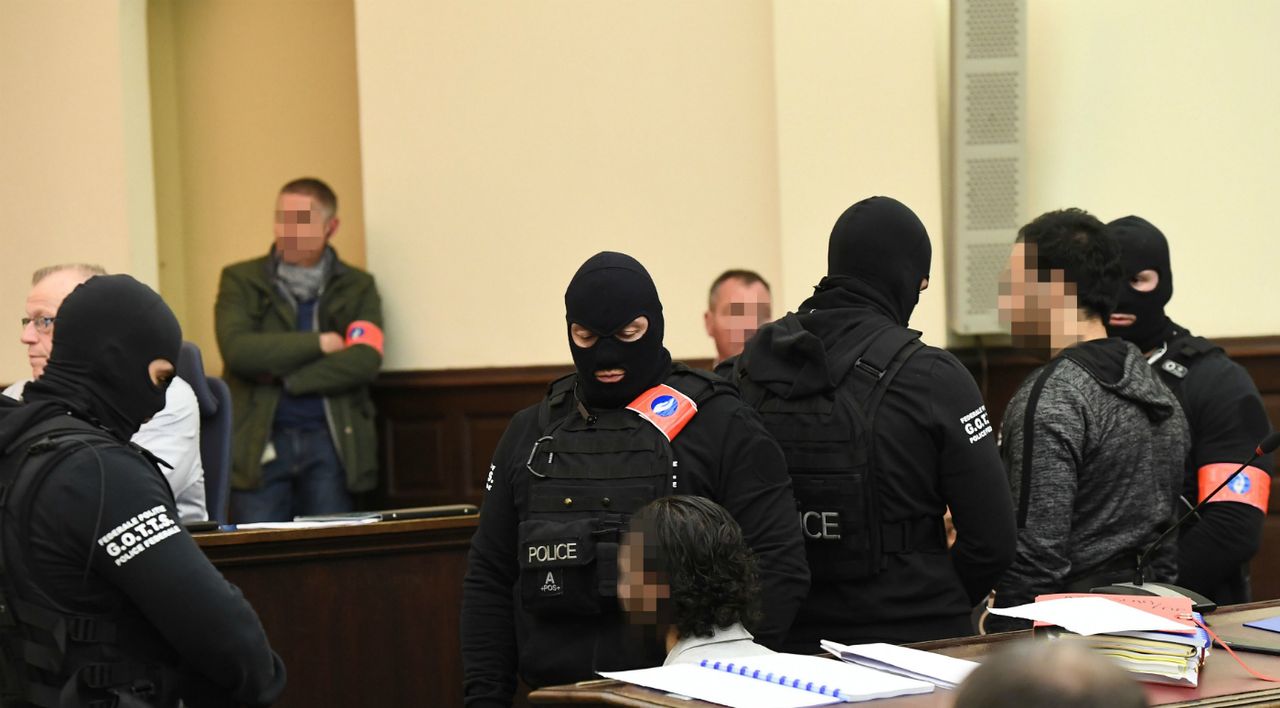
x=88 y=270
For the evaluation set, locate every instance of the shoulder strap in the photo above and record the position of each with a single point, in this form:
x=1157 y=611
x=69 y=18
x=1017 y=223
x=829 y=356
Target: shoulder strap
x=1181 y=355
x=697 y=384
x=1028 y=438
x=559 y=395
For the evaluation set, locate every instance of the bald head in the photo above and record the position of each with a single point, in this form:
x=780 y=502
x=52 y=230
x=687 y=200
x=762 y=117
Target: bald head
x=1060 y=673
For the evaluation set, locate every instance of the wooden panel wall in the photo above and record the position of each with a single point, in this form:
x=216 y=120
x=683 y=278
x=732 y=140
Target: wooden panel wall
x=439 y=428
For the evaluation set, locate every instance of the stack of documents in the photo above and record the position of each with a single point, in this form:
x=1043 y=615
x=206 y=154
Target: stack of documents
x=1155 y=638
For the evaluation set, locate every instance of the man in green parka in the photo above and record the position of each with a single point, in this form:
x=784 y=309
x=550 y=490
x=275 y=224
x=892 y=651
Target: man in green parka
x=301 y=339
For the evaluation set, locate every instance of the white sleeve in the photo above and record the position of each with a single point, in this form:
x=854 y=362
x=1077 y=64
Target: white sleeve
x=173 y=435
x=15 y=389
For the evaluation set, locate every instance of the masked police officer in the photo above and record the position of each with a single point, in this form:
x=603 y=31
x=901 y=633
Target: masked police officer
x=107 y=601
x=882 y=434
x=627 y=427
x=1223 y=408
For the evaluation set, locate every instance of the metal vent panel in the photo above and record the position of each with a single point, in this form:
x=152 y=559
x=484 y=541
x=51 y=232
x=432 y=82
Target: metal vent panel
x=991 y=193
x=988 y=31
x=984 y=263
x=991 y=108
x=988 y=154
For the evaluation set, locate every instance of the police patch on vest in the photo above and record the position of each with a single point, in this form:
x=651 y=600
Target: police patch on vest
x=551 y=553
x=552 y=583
x=668 y=409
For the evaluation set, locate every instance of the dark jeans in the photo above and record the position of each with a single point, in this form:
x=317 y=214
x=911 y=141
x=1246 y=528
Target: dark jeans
x=306 y=477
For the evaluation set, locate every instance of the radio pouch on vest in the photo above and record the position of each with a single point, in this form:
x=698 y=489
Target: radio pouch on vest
x=589 y=472
x=53 y=657
x=829 y=442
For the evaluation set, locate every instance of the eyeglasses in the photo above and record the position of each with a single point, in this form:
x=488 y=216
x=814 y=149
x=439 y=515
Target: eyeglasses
x=42 y=324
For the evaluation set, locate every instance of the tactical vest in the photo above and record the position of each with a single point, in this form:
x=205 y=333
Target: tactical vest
x=589 y=471
x=829 y=442
x=1180 y=357
x=50 y=656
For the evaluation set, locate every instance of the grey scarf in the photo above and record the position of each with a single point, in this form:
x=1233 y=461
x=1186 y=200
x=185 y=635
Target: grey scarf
x=304 y=283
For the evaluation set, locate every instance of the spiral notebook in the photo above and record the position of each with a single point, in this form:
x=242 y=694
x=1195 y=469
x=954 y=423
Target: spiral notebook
x=773 y=681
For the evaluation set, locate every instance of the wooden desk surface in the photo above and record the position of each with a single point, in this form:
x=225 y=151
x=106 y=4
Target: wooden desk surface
x=1222 y=681
x=362 y=615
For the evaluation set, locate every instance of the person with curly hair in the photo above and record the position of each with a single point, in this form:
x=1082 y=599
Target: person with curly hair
x=685 y=569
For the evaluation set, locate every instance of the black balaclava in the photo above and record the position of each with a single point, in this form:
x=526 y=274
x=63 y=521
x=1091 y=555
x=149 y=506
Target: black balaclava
x=606 y=294
x=1142 y=247
x=107 y=332
x=881 y=251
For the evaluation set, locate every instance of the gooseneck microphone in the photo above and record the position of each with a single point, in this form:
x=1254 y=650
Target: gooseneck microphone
x=1266 y=447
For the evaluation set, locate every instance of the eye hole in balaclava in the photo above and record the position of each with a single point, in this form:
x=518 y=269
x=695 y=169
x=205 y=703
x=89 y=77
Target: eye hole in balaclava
x=881 y=248
x=608 y=293
x=1139 y=316
x=107 y=333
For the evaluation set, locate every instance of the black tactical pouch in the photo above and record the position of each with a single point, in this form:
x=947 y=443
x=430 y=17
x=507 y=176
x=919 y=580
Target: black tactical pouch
x=840 y=520
x=558 y=567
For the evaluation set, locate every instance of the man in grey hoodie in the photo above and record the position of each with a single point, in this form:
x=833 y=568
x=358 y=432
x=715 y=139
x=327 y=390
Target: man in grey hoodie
x=1092 y=441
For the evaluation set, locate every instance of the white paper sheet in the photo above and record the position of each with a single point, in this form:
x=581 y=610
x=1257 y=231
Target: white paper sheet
x=1091 y=615
x=719 y=687
x=939 y=669
x=855 y=683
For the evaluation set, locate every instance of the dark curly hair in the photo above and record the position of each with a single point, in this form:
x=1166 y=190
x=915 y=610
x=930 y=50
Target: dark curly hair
x=1074 y=242
x=699 y=551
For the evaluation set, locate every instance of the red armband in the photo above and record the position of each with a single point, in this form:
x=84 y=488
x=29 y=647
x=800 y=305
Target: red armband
x=668 y=409
x=365 y=332
x=1252 y=486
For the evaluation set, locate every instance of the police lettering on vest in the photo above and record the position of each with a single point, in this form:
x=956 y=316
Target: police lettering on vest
x=548 y=553
x=821 y=525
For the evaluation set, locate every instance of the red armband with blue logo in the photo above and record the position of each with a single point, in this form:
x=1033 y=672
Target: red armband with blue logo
x=365 y=332
x=668 y=409
x=1252 y=486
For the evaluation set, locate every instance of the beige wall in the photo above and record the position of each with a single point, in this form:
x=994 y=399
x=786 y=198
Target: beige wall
x=1167 y=109
x=504 y=143
x=76 y=180
x=849 y=128
x=247 y=95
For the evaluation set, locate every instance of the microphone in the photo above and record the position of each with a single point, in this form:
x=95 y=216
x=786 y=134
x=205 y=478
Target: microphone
x=1266 y=447
x=1199 y=602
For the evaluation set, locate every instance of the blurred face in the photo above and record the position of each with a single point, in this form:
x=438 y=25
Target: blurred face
x=303 y=228
x=1040 y=315
x=43 y=301
x=639 y=590
x=737 y=311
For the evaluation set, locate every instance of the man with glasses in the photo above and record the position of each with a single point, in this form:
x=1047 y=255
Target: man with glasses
x=173 y=434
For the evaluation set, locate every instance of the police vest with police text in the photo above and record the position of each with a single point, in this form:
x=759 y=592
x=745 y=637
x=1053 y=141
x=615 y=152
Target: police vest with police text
x=49 y=655
x=589 y=471
x=829 y=442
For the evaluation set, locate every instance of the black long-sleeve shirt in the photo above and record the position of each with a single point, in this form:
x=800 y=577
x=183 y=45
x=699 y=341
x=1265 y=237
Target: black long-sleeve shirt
x=1227 y=420
x=104 y=535
x=724 y=454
